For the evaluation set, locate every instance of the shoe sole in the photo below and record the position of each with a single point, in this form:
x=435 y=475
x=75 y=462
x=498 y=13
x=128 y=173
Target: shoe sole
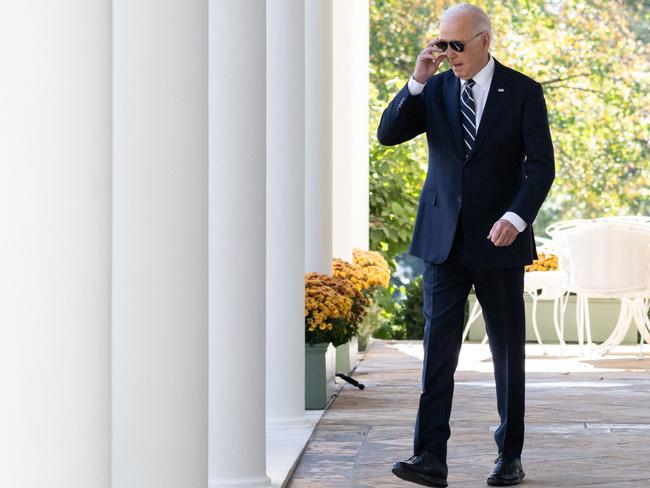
x=506 y=482
x=421 y=479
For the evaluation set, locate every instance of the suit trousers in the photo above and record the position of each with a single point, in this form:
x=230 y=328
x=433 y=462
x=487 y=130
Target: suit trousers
x=500 y=293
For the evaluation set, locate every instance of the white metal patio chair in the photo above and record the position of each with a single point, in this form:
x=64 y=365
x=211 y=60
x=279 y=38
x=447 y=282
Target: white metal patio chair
x=474 y=314
x=610 y=259
x=548 y=285
x=627 y=219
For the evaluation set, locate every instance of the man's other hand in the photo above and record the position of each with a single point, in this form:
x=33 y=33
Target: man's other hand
x=503 y=233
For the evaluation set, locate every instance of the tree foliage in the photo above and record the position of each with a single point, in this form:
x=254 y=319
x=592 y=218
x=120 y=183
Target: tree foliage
x=593 y=60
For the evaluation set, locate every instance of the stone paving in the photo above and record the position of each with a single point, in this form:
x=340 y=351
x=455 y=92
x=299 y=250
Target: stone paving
x=587 y=420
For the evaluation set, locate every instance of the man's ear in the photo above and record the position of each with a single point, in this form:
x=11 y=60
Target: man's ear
x=485 y=39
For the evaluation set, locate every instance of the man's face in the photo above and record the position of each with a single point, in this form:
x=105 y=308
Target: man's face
x=475 y=55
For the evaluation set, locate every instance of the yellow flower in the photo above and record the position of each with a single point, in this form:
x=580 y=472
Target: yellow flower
x=545 y=262
x=325 y=298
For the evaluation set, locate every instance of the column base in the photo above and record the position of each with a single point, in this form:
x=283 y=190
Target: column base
x=273 y=424
x=261 y=482
x=284 y=446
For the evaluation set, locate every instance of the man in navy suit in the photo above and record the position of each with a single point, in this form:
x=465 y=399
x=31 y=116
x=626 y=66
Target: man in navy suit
x=490 y=168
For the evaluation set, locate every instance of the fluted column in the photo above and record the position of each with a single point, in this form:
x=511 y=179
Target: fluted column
x=350 y=138
x=237 y=98
x=285 y=338
x=55 y=244
x=160 y=264
x=318 y=135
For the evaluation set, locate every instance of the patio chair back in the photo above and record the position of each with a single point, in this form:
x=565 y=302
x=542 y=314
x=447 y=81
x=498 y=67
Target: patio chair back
x=609 y=259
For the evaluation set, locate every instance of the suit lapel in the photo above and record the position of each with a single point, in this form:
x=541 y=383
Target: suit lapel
x=452 y=100
x=497 y=96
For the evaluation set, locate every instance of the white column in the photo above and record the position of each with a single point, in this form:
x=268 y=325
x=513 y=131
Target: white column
x=160 y=264
x=237 y=97
x=318 y=136
x=285 y=246
x=55 y=244
x=350 y=147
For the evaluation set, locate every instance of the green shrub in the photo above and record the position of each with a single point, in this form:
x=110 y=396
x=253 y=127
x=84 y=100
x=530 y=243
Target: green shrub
x=408 y=320
x=409 y=316
x=373 y=321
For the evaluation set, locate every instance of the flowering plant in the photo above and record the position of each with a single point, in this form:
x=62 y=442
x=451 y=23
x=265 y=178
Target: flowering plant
x=336 y=305
x=374 y=266
x=546 y=262
x=356 y=288
x=327 y=309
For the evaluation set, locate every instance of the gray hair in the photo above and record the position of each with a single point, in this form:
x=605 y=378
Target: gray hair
x=478 y=16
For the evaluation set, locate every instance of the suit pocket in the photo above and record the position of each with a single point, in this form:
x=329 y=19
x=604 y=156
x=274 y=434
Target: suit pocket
x=429 y=197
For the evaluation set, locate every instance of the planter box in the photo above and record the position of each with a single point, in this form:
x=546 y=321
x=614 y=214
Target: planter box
x=354 y=352
x=363 y=341
x=343 y=358
x=346 y=356
x=603 y=314
x=320 y=361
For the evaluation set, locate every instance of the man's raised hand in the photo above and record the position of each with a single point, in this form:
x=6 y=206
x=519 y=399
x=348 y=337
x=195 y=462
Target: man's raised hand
x=428 y=61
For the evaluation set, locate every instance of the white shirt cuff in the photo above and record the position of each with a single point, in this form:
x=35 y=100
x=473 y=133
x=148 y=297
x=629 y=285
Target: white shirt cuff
x=515 y=220
x=415 y=87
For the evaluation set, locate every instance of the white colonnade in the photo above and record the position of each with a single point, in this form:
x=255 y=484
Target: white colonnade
x=285 y=243
x=350 y=129
x=133 y=331
x=160 y=244
x=318 y=135
x=55 y=244
x=237 y=407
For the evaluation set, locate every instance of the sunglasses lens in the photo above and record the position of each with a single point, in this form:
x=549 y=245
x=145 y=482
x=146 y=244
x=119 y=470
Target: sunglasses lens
x=457 y=46
x=442 y=45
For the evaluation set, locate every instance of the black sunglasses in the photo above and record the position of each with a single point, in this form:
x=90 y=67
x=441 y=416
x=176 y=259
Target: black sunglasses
x=458 y=46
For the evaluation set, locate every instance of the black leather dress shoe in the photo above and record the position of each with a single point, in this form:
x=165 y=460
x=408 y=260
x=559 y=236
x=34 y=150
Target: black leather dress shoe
x=506 y=473
x=423 y=468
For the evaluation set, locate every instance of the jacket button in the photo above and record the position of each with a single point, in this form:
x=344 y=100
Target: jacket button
x=459 y=198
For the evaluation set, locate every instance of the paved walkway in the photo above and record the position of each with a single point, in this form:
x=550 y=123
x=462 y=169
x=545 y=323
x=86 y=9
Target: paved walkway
x=588 y=421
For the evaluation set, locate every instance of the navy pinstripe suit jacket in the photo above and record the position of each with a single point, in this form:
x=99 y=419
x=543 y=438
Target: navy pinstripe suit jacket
x=510 y=168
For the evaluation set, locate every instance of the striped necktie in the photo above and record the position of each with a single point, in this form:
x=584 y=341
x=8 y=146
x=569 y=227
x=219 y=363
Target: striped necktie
x=469 y=115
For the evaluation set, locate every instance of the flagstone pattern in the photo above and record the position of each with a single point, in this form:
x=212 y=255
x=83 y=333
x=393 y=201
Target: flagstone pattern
x=587 y=421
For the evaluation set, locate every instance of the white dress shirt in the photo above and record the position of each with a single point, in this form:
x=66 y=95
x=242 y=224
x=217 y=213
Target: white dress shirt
x=480 y=92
